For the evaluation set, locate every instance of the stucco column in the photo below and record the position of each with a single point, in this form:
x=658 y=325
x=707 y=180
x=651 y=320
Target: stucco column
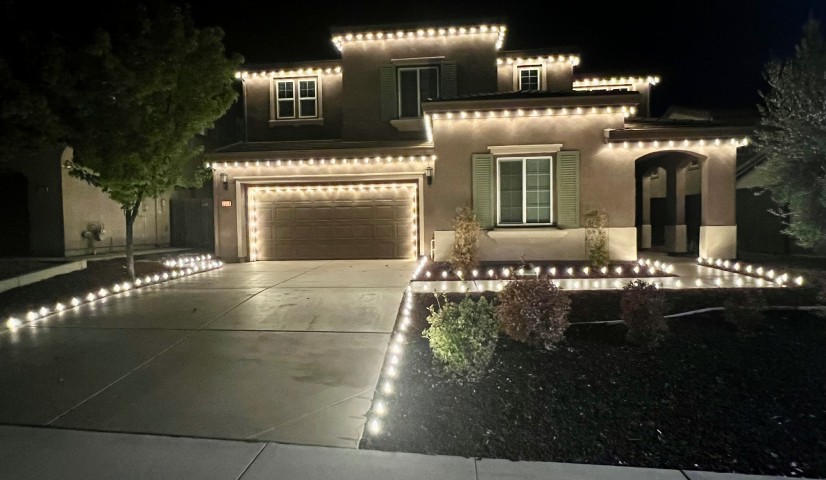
x=644 y=184
x=718 y=225
x=675 y=230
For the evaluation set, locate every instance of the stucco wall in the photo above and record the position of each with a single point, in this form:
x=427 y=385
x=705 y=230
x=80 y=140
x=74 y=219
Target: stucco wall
x=557 y=76
x=84 y=204
x=44 y=200
x=605 y=182
x=475 y=57
x=258 y=105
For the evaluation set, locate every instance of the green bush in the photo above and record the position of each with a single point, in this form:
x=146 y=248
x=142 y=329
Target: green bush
x=746 y=313
x=533 y=311
x=643 y=306
x=463 y=336
x=465 y=254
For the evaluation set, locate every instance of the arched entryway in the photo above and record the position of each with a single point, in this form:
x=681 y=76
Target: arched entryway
x=669 y=201
x=14 y=236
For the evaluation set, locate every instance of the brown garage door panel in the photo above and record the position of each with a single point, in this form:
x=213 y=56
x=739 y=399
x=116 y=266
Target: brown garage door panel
x=316 y=224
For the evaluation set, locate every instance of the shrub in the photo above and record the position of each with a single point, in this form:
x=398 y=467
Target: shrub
x=746 y=313
x=596 y=238
x=465 y=254
x=463 y=336
x=533 y=311
x=643 y=307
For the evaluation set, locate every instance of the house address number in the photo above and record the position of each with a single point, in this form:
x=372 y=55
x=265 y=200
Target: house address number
x=226 y=203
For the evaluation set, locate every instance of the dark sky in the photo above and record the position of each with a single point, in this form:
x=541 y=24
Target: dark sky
x=708 y=53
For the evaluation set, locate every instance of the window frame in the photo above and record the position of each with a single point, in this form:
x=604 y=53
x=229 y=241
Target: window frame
x=275 y=115
x=551 y=204
x=418 y=69
x=521 y=68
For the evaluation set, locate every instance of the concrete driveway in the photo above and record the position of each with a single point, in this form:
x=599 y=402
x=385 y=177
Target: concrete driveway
x=280 y=351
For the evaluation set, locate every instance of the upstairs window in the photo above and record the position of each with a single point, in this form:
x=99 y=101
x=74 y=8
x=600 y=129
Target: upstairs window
x=416 y=84
x=530 y=78
x=296 y=98
x=524 y=190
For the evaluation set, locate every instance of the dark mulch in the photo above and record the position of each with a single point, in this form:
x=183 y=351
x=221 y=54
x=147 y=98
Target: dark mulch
x=706 y=399
x=99 y=273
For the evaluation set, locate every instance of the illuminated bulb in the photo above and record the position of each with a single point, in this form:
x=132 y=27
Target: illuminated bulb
x=698 y=282
x=13 y=322
x=726 y=264
x=718 y=281
x=391 y=371
x=678 y=284
x=102 y=292
x=387 y=388
x=552 y=271
x=395 y=348
x=138 y=282
x=798 y=281
x=116 y=288
x=618 y=270
x=700 y=260
x=90 y=297
x=475 y=273
x=760 y=270
x=521 y=271
x=59 y=307
x=737 y=267
x=444 y=274
x=427 y=274
x=770 y=274
x=748 y=268
x=506 y=272
x=399 y=338
x=75 y=301
x=569 y=271
x=490 y=272
x=536 y=270
x=380 y=408
x=32 y=315
x=759 y=282
x=738 y=281
x=603 y=270
x=652 y=271
x=636 y=269
x=374 y=426
x=462 y=288
x=586 y=270
x=43 y=311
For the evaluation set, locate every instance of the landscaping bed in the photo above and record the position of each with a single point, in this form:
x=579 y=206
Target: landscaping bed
x=97 y=274
x=705 y=399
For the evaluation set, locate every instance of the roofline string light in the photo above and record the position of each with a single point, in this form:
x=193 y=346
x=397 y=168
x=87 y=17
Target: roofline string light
x=327 y=161
x=701 y=142
x=189 y=266
x=601 y=83
x=625 y=110
x=254 y=193
x=340 y=40
x=570 y=59
x=245 y=74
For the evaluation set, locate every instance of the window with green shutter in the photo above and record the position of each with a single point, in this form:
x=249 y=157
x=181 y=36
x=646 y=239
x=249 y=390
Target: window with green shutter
x=483 y=189
x=567 y=189
x=525 y=196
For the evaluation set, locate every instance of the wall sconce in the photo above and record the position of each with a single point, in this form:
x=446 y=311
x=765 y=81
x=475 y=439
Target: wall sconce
x=428 y=173
x=225 y=181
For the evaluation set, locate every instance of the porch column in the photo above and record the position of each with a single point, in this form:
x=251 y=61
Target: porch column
x=718 y=224
x=644 y=187
x=675 y=230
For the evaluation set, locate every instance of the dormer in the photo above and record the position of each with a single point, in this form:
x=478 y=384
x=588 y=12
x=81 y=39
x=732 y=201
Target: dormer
x=536 y=70
x=389 y=71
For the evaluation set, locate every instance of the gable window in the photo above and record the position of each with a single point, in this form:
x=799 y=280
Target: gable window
x=416 y=84
x=524 y=191
x=296 y=98
x=530 y=78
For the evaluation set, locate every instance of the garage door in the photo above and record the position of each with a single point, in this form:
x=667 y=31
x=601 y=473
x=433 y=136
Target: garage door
x=333 y=222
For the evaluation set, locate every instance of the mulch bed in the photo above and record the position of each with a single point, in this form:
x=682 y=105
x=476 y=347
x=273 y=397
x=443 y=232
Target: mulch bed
x=99 y=273
x=705 y=399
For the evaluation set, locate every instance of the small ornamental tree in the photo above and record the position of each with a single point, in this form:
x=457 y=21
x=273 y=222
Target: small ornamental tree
x=596 y=238
x=643 y=308
x=465 y=254
x=134 y=100
x=793 y=138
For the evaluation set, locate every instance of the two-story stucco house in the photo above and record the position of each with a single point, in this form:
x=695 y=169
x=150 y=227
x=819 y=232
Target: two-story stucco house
x=369 y=156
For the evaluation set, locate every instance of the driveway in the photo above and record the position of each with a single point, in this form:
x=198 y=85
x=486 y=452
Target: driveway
x=279 y=351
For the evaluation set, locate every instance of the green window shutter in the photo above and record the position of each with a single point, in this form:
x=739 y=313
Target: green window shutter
x=483 y=184
x=389 y=100
x=447 y=87
x=567 y=189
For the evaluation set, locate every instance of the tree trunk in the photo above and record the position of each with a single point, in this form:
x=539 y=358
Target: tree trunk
x=130 y=214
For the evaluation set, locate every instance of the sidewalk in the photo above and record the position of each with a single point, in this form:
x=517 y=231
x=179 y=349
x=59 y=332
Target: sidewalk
x=46 y=453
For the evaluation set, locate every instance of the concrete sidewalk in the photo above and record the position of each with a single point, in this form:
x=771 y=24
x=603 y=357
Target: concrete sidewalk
x=47 y=453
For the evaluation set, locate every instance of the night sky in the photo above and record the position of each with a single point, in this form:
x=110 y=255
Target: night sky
x=710 y=54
